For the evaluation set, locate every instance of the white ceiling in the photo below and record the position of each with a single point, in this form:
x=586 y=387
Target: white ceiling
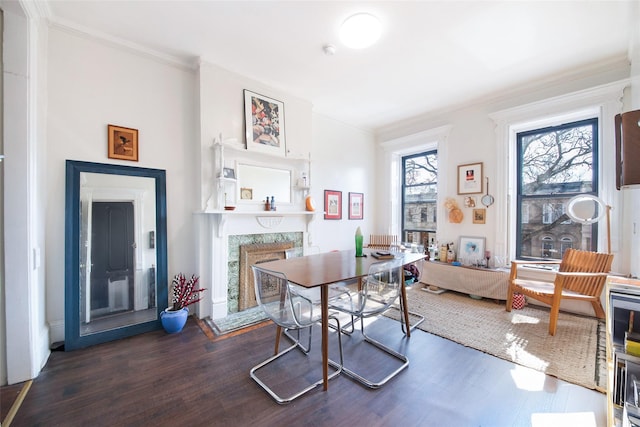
x=432 y=54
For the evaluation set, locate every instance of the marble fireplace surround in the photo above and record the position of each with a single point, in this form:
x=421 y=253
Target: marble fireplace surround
x=246 y=250
x=221 y=235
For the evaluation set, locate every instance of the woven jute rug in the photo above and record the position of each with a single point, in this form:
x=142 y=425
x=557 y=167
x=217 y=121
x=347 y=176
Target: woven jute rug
x=576 y=353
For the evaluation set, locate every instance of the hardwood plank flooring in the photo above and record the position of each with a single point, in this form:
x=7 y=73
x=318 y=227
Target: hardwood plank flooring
x=195 y=379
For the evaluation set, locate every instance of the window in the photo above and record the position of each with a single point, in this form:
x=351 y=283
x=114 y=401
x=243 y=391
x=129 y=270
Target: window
x=419 y=197
x=554 y=164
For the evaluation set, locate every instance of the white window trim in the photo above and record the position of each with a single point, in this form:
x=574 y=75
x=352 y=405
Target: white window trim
x=603 y=102
x=393 y=151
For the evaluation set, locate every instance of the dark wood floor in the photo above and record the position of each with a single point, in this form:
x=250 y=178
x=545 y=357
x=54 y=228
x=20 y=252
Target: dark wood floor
x=192 y=379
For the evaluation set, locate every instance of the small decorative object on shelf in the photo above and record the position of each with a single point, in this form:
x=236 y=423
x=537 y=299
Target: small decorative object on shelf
x=267 y=204
x=227 y=207
x=273 y=203
x=246 y=193
x=310 y=204
x=228 y=173
x=451 y=253
x=185 y=292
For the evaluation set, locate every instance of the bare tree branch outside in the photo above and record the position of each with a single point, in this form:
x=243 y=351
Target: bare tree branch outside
x=555 y=164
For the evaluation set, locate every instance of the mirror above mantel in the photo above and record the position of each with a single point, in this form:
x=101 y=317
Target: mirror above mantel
x=255 y=176
x=264 y=182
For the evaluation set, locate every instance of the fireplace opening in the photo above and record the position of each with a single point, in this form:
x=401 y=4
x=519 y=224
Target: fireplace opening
x=255 y=254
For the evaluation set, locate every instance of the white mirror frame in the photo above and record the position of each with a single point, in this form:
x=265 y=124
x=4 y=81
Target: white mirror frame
x=576 y=206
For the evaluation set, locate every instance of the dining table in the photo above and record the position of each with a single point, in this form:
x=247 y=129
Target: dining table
x=324 y=269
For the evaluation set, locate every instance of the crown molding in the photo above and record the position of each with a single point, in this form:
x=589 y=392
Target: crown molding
x=89 y=33
x=36 y=9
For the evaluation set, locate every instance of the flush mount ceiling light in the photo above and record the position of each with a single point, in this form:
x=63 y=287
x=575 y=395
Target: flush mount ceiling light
x=360 y=30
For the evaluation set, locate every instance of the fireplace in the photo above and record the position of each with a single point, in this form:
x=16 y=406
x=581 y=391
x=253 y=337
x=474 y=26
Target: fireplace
x=255 y=254
x=245 y=250
x=221 y=236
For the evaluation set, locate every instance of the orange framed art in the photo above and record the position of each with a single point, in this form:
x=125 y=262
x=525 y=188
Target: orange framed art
x=123 y=143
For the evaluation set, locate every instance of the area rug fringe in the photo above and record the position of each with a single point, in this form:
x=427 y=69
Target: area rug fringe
x=575 y=354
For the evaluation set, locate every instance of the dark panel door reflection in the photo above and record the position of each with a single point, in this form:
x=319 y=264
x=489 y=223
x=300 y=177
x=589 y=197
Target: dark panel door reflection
x=112 y=244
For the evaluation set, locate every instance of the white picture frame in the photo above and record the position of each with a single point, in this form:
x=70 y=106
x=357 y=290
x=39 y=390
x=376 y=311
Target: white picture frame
x=471 y=249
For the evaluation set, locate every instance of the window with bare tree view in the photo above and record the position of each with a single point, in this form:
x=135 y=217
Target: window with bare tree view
x=419 y=196
x=555 y=164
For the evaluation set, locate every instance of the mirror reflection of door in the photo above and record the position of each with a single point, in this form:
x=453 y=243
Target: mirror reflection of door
x=117 y=275
x=112 y=262
x=115 y=252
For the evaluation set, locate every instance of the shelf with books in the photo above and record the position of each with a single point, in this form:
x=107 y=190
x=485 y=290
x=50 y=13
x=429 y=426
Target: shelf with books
x=623 y=350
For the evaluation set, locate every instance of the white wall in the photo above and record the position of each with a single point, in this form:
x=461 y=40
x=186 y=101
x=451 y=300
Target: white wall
x=222 y=113
x=24 y=58
x=93 y=84
x=473 y=139
x=343 y=159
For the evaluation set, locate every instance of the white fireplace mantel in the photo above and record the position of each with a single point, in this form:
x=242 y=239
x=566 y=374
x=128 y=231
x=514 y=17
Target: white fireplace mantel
x=214 y=229
x=266 y=219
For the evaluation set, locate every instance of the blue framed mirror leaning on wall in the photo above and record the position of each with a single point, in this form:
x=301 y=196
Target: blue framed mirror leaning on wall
x=115 y=252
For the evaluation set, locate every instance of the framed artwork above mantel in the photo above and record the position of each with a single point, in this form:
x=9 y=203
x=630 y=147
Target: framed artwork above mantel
x=264 y=124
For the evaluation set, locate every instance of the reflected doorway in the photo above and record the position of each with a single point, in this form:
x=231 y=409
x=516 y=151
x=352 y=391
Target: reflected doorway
x=112 y=245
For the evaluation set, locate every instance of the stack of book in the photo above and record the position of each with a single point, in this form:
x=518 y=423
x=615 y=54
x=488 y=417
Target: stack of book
x=382 y=255
x=632 y=343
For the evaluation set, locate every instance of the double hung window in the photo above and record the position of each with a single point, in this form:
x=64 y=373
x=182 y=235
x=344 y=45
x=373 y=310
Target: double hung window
x=555 y=164
x=419 y=196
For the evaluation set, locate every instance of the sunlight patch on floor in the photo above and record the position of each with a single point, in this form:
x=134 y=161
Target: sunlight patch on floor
x=582 y=419
x=522 y=318
x=528 y=379
x=516 y=350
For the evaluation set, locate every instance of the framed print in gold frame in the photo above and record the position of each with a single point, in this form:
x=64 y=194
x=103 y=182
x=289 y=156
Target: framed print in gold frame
x=470 y=178
x=479 y=216
x=123 y=143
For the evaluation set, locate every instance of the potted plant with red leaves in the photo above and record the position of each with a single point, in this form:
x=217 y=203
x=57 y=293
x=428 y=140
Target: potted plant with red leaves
x=185 y=292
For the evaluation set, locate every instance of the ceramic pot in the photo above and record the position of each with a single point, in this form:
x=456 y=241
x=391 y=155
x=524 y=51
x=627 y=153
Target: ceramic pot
x=174 y=320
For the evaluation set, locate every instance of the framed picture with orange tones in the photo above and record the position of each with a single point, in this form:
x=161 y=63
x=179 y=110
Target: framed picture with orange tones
x=123 y=143
x=479 y=216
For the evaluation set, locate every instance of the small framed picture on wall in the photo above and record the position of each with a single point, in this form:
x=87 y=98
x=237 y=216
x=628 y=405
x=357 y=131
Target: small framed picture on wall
x=356 y=205
x=332 y=204
x=479 y=216
x=123 y=143
x=470 y=178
